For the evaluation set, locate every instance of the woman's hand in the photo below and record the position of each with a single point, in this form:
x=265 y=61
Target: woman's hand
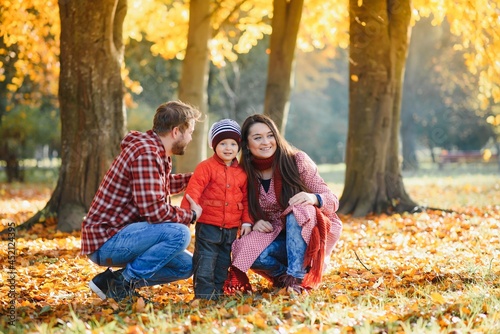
x=263 y=226
x=303 y=198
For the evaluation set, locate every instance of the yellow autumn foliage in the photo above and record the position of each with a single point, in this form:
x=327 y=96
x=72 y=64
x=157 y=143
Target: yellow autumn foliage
x=30 y=31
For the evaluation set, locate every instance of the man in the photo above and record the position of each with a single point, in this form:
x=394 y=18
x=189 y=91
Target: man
x=131 y=223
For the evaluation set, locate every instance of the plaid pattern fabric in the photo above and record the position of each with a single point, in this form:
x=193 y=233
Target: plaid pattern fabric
x=249 y=247
x=137 y=187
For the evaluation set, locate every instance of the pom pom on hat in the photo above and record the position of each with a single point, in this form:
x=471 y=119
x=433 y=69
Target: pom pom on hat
x=224 y=129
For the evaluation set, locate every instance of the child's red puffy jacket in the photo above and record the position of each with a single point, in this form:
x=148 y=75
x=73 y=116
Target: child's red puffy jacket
x=221 y=191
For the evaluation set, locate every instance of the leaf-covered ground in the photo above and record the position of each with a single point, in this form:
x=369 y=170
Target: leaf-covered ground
x=432 y=272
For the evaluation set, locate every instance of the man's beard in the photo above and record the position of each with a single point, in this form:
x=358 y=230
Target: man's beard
x=179 y=147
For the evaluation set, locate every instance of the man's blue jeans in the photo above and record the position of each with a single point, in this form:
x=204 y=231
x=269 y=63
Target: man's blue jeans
x=285 y=253
x=150 y=253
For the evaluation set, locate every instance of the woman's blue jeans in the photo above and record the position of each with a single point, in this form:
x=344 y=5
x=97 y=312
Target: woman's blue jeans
x=150 y=253
x=285 y=253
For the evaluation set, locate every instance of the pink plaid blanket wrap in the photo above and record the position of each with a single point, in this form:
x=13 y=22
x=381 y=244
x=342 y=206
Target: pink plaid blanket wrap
x=246 y=249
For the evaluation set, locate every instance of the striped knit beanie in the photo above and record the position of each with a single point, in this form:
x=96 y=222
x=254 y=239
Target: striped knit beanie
x=224 y=129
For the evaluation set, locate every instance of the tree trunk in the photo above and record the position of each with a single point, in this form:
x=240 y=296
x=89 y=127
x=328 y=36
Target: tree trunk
x=12 y=168
x=285 y=25
x=378 y=48
x=399 y=13
x=409 y=107
x=409 y=149
x=194 y=80
x=425 y=40
x=91 y=102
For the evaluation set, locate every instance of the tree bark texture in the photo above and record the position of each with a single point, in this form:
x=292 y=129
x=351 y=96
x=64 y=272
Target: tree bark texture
x=91 y=101
x=379 y=32
x=194 y=81
x=285 y=24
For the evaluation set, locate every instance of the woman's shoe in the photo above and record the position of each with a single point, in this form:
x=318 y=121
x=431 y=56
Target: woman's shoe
x=292 y=283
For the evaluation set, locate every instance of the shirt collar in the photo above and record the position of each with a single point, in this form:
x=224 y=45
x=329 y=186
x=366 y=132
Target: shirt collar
x=162 y=151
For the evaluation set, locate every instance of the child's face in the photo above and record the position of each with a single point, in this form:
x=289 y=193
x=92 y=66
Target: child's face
x=227 y=150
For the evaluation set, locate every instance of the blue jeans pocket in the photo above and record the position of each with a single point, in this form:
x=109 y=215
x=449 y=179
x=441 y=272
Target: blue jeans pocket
x=208 y=233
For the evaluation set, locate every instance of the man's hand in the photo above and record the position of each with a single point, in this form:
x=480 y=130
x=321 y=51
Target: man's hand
x=194 y=206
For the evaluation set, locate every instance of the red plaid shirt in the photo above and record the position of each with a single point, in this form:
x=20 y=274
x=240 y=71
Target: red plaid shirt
x=136 y=188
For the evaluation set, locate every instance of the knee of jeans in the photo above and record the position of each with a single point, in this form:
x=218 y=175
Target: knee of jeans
x=186 y=232
x=182 y=234
x=261 y=262
x=205 y=263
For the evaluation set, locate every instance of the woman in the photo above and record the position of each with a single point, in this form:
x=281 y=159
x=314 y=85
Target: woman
x=296 y=226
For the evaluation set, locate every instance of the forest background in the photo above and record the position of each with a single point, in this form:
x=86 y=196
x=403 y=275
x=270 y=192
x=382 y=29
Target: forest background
x=444 y=104
x=218 y=63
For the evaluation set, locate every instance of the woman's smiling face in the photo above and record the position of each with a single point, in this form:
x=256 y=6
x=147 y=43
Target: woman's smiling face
x=261 y=141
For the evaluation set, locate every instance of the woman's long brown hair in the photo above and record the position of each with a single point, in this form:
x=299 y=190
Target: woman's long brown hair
x=284 y=159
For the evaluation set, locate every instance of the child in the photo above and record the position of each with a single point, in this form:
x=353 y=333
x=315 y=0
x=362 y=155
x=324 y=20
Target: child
x=219 y=185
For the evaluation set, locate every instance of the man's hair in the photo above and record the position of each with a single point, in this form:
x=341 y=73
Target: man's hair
x=174 y=113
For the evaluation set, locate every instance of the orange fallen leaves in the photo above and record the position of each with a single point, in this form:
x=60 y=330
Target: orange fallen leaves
x=135 y=330
x=437 y=298
x=344 y=299
x=435 y=266
x=244 y=309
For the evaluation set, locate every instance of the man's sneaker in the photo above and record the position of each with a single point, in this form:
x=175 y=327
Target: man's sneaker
x=119 y=288
x=101 y=282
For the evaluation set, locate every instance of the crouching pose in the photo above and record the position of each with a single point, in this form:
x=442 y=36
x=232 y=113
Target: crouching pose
x=296 y=226
x=131 y=223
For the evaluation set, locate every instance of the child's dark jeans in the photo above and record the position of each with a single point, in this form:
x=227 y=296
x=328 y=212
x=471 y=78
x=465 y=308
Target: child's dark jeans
x=211 y=259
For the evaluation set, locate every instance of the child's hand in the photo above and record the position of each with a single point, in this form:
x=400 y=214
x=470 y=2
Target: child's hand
x=245 y=230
